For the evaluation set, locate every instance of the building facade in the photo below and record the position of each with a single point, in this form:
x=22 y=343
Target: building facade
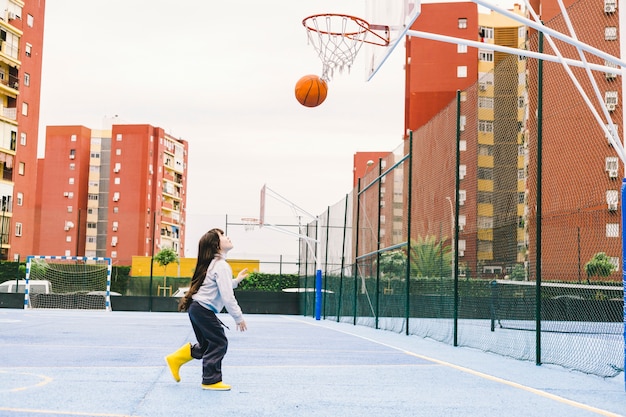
x=117 y=193
x=492 y=97
x=21 y=45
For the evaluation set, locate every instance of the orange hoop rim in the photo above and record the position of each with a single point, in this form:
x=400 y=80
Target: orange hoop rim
x=361 y=23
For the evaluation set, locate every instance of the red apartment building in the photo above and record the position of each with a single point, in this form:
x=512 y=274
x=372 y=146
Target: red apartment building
x=114 y=193
x=436 y=70
x=580 y=217
x=21 y=40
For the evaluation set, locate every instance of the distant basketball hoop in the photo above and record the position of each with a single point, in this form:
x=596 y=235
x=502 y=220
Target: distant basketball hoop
x=250 y=223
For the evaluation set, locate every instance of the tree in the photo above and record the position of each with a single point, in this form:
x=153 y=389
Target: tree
x=392 y=265
x=599 y=266
x=430 y=258
x=165 y=257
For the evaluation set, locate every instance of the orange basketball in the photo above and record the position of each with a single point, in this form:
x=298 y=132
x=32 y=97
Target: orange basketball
x=311 y=90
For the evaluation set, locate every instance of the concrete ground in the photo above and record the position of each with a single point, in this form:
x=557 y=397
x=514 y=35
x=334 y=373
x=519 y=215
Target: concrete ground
x=87 y=363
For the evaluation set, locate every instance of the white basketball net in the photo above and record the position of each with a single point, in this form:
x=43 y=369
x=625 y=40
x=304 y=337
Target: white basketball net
x=250 y=223
x=337 y=40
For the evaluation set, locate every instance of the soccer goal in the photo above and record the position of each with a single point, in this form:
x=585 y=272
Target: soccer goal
x=71 y=282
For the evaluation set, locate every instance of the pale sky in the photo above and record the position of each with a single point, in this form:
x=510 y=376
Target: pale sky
x=221 y=75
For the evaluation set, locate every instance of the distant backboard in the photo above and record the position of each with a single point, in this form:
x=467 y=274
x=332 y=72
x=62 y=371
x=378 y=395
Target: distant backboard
x=399 y=15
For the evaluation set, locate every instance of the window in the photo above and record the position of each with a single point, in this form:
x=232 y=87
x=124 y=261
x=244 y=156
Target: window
x=21 y=168
x=608 y=128
x=610 y=97
x=521 y=197
x=610 y=33
x=520 y=174
x=461 y=49
x=485 y=32
x=95 y=155
x=72 y=166
x=72 y=153
x=461 y=71
x=116 y=180
x=462 y=171
x=118 y=151
x=92 y=197
x=68 y=238
x=70 y=209
x=485 y=102
x=611 y=163
x=18 y=229
x=26 y=79
x=118 y=137
x=20 y=199
x=24 y=109
x=30 y=20
x=23 y=139
x=485 y=173
x=462 y=23
x=484 y=197
x=116 y=196
x=463 y=145
x=612 y=197
x=28 y=50
x=92 y=225
x=73 y=138
x=610 y=65
x=486 y=56
x=70 y=181
x=485 y=222
x=485 y=150
x=521 y=32
x=485 y=126
x=612 y=230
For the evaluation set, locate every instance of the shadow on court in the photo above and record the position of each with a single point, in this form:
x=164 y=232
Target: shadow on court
x=87 y=363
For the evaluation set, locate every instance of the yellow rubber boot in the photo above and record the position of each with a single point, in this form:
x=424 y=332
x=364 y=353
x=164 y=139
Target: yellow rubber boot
x=218 y=386
x=177 y=359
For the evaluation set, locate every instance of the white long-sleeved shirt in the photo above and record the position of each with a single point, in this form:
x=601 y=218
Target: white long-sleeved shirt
x=216 y=291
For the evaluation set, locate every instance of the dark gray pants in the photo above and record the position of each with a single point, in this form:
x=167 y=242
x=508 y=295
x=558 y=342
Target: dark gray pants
x=212 y=343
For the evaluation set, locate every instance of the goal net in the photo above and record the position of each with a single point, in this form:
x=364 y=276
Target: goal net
x=68 y=282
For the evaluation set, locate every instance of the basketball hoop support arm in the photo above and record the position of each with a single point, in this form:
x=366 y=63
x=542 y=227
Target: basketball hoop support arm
x=609 y=131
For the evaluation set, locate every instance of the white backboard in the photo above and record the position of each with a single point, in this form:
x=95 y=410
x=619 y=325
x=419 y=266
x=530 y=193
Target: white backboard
x=399 y=15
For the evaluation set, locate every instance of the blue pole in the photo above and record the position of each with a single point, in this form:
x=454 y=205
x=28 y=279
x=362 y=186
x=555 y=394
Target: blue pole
x=318 y=294
x=624 y=263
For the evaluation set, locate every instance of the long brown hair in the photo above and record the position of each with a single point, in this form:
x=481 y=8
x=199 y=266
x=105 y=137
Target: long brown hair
x=208 y=248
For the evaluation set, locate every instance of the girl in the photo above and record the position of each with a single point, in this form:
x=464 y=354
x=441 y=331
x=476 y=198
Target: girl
x=211 y=290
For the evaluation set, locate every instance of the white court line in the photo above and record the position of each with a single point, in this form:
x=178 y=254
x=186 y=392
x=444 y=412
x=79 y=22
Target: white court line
x=30 y=412
x=483 y=375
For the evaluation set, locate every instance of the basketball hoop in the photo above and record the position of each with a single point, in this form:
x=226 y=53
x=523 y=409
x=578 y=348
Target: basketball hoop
x=250 y=223
x=337 y=38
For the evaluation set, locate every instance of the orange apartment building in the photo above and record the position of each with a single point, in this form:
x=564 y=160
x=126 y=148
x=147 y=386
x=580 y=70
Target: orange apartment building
x=21 y=44
x=117 y=193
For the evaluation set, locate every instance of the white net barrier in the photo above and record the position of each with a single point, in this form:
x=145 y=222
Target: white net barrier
x=68 y=283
